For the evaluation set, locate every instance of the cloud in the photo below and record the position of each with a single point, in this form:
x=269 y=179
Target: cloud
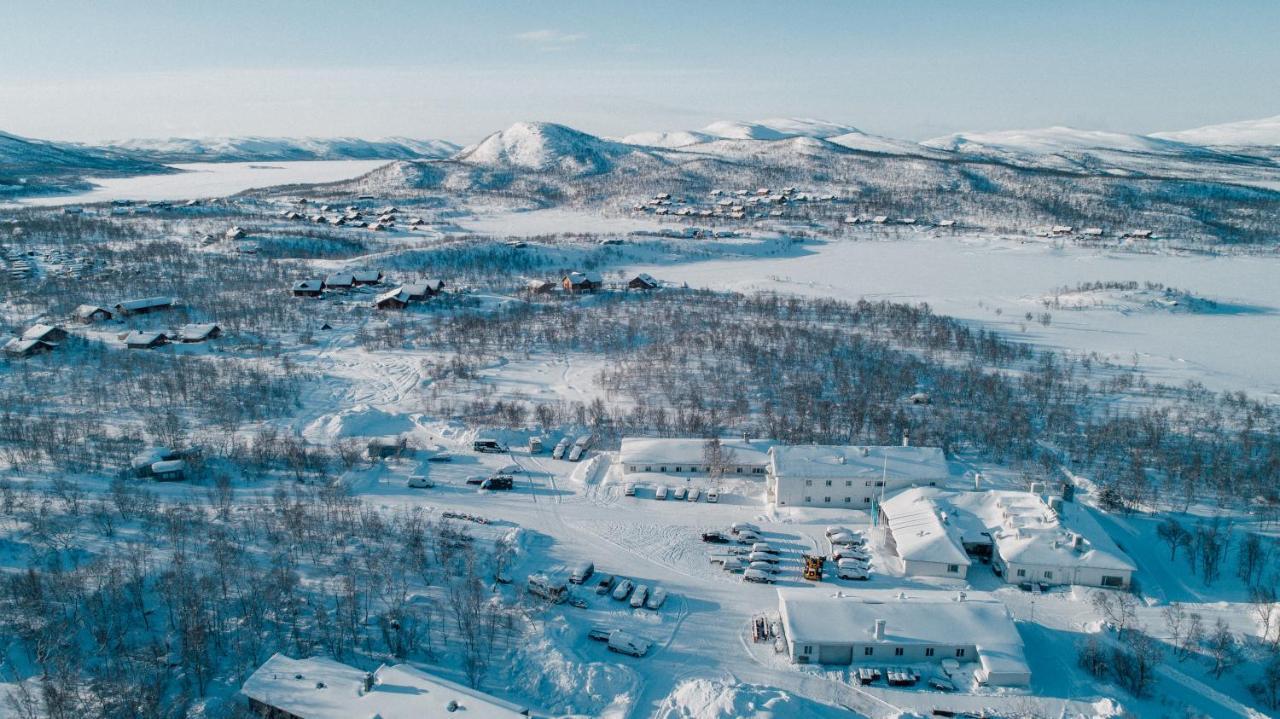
x=549 y=39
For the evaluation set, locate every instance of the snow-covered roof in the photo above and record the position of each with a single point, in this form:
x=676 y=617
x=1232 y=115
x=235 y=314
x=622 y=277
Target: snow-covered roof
x=38 y=332
x=199 y=331
x=308 y=285
x=320 y=688
x=86 y=311
x=145 y=303
x=683 y=451
x=367 y=275
x=340 y=279
x=139 y=337
x=578 y=278
x=918 y=617
x=168 y=465
x=20 y=347
x=924 y=531
x=401 y=294
x=921 y=464
x=1024 y=529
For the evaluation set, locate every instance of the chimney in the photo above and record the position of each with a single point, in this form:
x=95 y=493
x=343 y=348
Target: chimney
x=1079 y=542
x=906 y=438
x=879 y=630
x=977 y=481
x=369 y=682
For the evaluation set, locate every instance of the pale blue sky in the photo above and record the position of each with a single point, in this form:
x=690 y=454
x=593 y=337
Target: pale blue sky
x=458 y=70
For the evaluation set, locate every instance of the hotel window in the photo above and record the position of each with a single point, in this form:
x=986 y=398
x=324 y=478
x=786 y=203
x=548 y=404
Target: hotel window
x=879 y=483
x=808 y=649
x=866 y=500
x=848 y=483
x=662 y=469
x=928 y=652
x=1048 y=575
x=1022 y=572
x=897 y=651
x=648 y=469
x=828 y=483
x=850 y=499
x=679 y=469
x=632 y=468
x=808 y=483
x=953 y=568
x=826 y=500
x=808 y=499
x=869 y=651
x=960 y=652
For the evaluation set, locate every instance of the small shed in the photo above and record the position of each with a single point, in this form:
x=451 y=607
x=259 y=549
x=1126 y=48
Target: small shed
x=307 y=288
x=26 y=348
x=88 y=314
x=200 y=332
x=144 y=305
x=145 y=340
x=45 y=333
x=383 y=447
x=642 y=281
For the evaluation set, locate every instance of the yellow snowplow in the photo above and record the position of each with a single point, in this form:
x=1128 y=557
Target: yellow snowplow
x=813 y=567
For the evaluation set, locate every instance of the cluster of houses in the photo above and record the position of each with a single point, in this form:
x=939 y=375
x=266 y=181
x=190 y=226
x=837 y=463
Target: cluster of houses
x=42 y=338
x=865 y=219
x=1090 y=232
x=394 y=299
x=187 y=334
x=37 y=339
x=575 y=283
x=730 y=204
x=352 y=216
x=320 y=688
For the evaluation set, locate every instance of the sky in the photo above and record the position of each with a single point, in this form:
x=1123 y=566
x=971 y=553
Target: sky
x=116 y=69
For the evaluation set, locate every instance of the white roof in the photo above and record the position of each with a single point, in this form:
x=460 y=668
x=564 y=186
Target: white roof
x=324 y=689
x=145 y=303
x=578 y=278
x=168 y=465
x=852 y=462
x=85 y=311
x=367 y=275
x=820 y=616
x=198 y=331
x=399 y=293
x=683 y=451
x=140 y=337
x=36 y=332
x=340 y=278
x=18 y=346
x=315 y=285
x=916 y=519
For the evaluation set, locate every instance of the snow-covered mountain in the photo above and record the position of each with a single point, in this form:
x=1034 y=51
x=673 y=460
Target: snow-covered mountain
x=1052 y=140
x=249 y=149
x=1257 y=133
x=545 y=146
x=30 y=166
x=773 y=129
x=669 y=140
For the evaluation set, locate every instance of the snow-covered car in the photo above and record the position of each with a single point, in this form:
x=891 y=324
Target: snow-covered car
x=757 y=576
x=715 y=538
x=629 y=489
x=418 y=481
x=440 y=457
x=660 y=492
x=846 y=569
x=476 y=479
x=656 y=598
x=733 y=564
x=764 y=547
x=746 y=537
x=639 y=595
x=623 y=589
x=597 y=634
x=499 y=482
x=581 y=572
x=847 y=539
x=764 y=567
x=740 y=527
x=713 y=495
x=834 y=530
x=488 y=446
x=857 y=553
x=681 y=493
x=561 y=447
x=511 y=469
x=604 y=583
x=694 y=494
x=762 y=557
x=626 y=643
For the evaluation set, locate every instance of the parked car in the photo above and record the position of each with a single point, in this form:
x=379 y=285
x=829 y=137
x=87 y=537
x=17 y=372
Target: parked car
x=626 y=643
x=561 y=447
x=740 y=527
x=764 y=547
x=764 y=567
x=661 y=492
x=535 y=445
x=857 y=553
x=834 y=530
x=597 y=634
x=733 y=564
x=681 y=493
x=488 y=446
x=441 y=457
x=604 y=583
x=511 y=469
x=580 y=447
x=745 y=537
x=418 y=481
x=715 y=538
x=582 y=572
x=498 y=482
x=694 y=494
x=757 y=576
x=848 y=569
x=476 y=479
x=656 y=598
x=639 y=595
x=552 y=590
x=847 y=539
x=623 y=589
x=762 y=557
x=629 y=489
x=713 y=495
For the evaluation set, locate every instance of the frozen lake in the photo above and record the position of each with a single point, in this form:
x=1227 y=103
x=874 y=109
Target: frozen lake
x=973 y=278
x=213 y=179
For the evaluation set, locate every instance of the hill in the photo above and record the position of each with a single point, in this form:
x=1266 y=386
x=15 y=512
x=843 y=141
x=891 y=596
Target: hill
x=281 y=149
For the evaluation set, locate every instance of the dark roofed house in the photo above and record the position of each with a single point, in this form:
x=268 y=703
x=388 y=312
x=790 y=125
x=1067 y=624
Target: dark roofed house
x=26 y=348
x=88 y=314
x=170 y=470
x=200 y=332
x=307 y=288
x=396 y=299
x=424 y=289
x=642 y=282
x=144 y=305
x=366 y=277
x=582 y=281
x=140 y=340
x=45 y=333
x=541 y=287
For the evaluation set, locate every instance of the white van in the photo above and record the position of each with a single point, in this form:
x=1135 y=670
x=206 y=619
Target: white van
x=580 y=447
x=625 y=643
x=694 y=493
x=713 y=495
x=764 y=547
x=740 y=527
x=681 y=492
x=418 y=481
x=582 y=572
x=757 y=576
x=629 y=489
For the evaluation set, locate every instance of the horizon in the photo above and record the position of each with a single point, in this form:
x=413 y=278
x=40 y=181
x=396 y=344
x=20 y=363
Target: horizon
x=119 y=70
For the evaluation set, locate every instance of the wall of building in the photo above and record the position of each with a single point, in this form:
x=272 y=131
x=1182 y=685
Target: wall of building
x=847 y=493
x=674 y=468
x=882 y=652
x=1081 y=576
x=933 y=569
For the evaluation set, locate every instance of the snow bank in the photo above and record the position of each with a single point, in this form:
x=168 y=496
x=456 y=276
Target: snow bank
x=717 y=699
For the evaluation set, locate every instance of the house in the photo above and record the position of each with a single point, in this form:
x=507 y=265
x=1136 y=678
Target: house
x=892 y=627
x=396 y=299
x=383 y=447
x=319 y=688
x=366 y=277
x=541 y=287
x=143 y=306
x=45 y=333
x=1092 y=232
x=582 y=282
x=307 y=288
x=169 y=470
x=681 y=456
x=200 y=332
x=340 y=281
x=642 y=282
x=235 y=233
x=145 y=340
x=423 y=290
x=26 y=348
x=144 y=463
x=936 y=532
x=851 y=477
x=88 y=314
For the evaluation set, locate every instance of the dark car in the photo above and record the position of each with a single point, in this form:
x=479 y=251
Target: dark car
x=715 y=537
x=498 y=481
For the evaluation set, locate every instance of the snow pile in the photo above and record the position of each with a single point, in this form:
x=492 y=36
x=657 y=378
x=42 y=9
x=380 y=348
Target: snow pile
x=541 y=669
x=1248 y=132
x=718 y=699
x=545 y=146
x=360 y=421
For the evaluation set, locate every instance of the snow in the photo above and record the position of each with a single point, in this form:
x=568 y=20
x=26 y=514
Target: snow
x=725 y=699
x=211 y=179
x=1052 y=140
x=320 y=688
x=1265 y=131
x=677 y=451
x=861 y=463
x=260 y=149
x=670 y=140
x=545 y=146
x=919 y=534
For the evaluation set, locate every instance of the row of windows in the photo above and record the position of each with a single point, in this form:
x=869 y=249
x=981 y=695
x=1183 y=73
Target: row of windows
x=1047 y=575
x=827 y=500
x=649 y=468
x=871 y=651
x=847 y=483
